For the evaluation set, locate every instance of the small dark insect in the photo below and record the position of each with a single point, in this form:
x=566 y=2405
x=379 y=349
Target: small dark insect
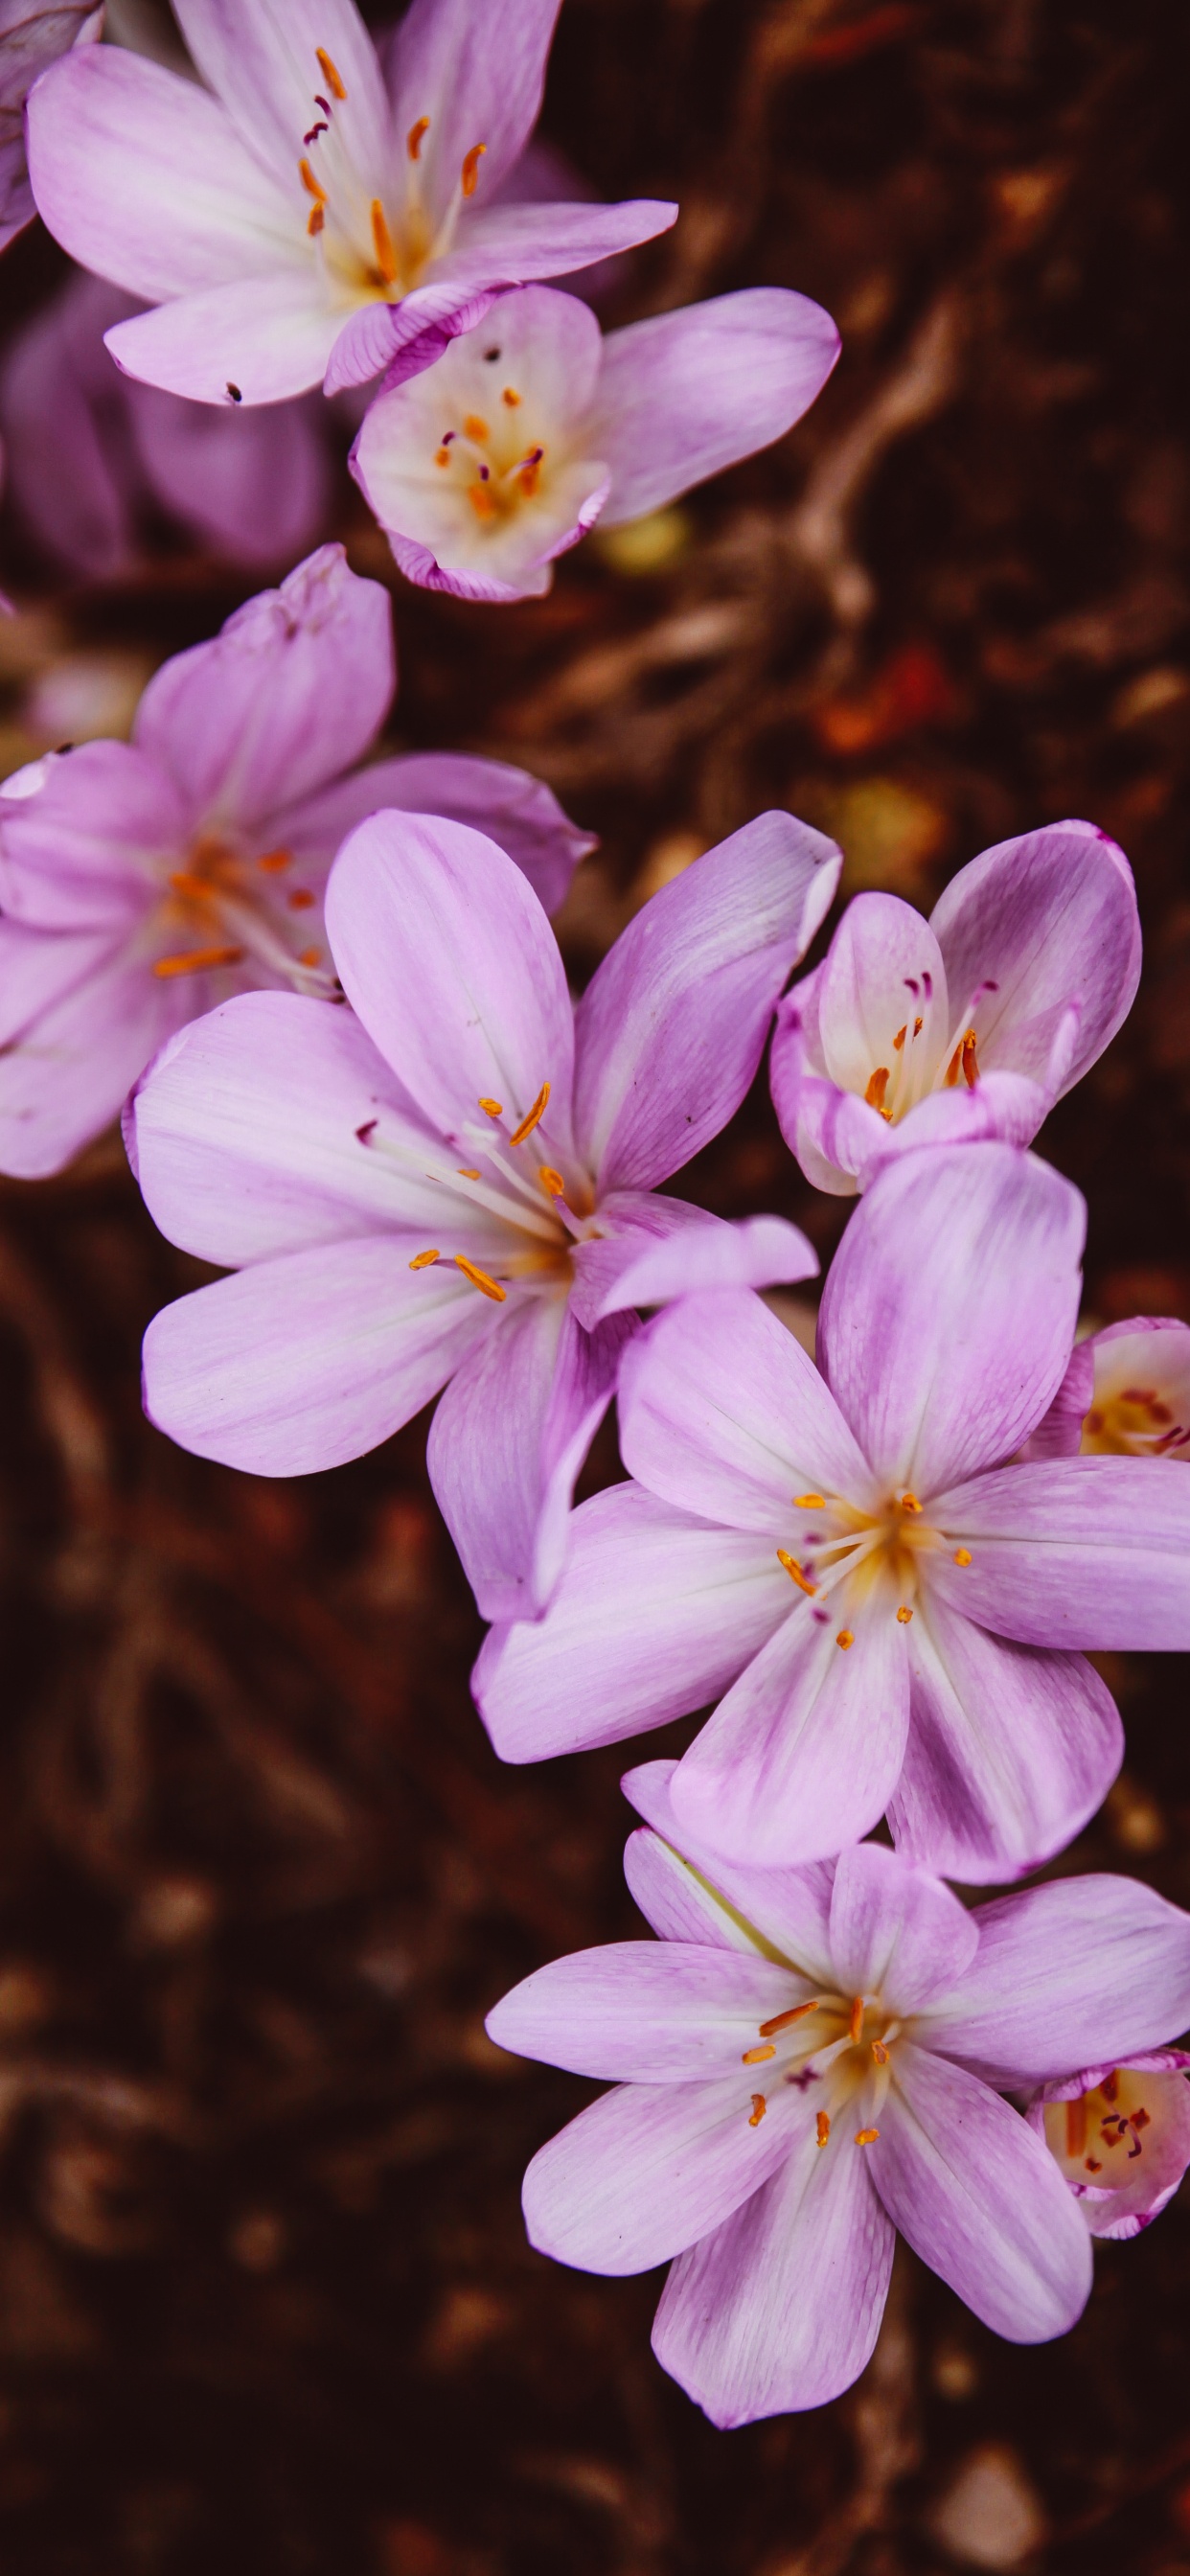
x=491 y=356
x=234 y=391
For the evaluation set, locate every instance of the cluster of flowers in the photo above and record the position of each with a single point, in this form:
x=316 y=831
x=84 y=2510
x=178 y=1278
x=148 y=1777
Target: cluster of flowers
x=316 y=984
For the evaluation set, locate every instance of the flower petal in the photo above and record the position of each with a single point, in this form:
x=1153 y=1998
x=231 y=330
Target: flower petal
x=779 y=2309
x=141 y=176
x=86 y=837
x=882 y=998
x=1028 y=928
x=784 y=1912
x=263 y=62
x=675 y=1898
x=513 y=245
x=804 y=1751
x=1143 y=2109
x=291 y=692
x=269 y=336
x=973 y=2191
x=684 y=394
x=672 y=1025
x=1077 y=1972
x=896 y=1931
x=1082 y=1552
x=507 y=1441
x=757 y=1252
x=692 y=1605
x=644 y=2012
x=452 y=966
x=77 y=1023
x=255 y=482
x=515 y=810
x=1010 y=1750
x=949 y=1310
x=649 y=2169
x=299 y=1364
x=477 y=73
x=722 y=1411
x=1141 y=1364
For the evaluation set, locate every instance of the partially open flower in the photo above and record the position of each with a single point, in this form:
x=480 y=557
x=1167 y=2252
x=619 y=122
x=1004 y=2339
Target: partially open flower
x=1126 y=1394
x=1121 y=2136
x=533 y=426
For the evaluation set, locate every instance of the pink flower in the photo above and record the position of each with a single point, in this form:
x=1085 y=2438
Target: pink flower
x=142 y=881
x=32 y=34
x=301 y=216
x=1126 y=1394
x=1121 y=2136
x=89 y=450
x=969 y=1025
x=809 y=2060
x=890 y=1613
x=460 y=1183
x=533 y=426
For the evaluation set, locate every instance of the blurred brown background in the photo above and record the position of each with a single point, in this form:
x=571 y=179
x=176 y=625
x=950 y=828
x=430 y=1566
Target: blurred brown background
x=265 y=2302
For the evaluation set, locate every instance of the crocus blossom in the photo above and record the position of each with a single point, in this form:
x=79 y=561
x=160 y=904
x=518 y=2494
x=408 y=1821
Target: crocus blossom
x=809 y=2060
x=1121 y=2136
x=143 y=881
x=32 y=34
x=891 y=1614
x=971 y=1024
x=300 y=218
x=91 y=453
x=533 y=426
x=460 y=1182
x=1126 y=1394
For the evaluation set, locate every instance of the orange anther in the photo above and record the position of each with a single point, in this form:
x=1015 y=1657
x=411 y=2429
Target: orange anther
x=196 y=960
x=422 y=1260
x=274 y=860
x=533 y=1117
x=314 y=187
x=1110 y=2087
x=962 y=1556
x=866 y=2137
x=781 y=2021
x=795 y=1573
x=309 y=956
x=511 y=397
x=492 y=1108
x=756 y=2056
x=530 y=477
x=469 y=176
x=759 y=2107
x=475 y=427
x=316 y=221
x=481 y=500
x=845 y=1639
x=329 y=74
x=382 y=240
x=552 y=1181
x=1076 y=2126
x=443 y=456
x=809 y=1502
x=301 y=900
x=416 y=136
x=952 y=1070
x=970 y=1061
x=479 y=1279
x=877 y=1086
x=904 y=1616
x=856 y=2023
x=910 y=1503
x=902 y=1034
x=824 y=2127
x=879 y=2052
x=468 y=1172
x=918 y=1026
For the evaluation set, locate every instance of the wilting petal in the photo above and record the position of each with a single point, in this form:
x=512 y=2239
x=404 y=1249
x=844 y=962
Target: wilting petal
x=83 y=835
x=141 y=176
x=684 y=394
x=949 y=1310
x=1028 y=928
x=779 y=2309
x=758 y=1252
x=976 y=2194
x=269 y=336
x=896 y=1931
x=784 y=1912
x=1088 y=1553
x=804 y=1751
x=1080 y=1970
x=692 y=1604
x=292 y=691
x=644 y=2012
x=507 y=1441
x=478 y=75
x=721 y=1410
x=448 y=957
x=77 y=1022
x=263 y=63
x=672 y=1025
x=299 y=1364
x=269 y=1126
x=1010 y=1750
x=650 y=2168
x=517 y=811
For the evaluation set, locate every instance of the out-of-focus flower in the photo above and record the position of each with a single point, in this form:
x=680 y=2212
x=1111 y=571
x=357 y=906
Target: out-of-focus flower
x=885 y=1609
x=32 y=34
x=298 y=218
x=970 y=1024
x=1126 y=1394
x=1121 y=2135
x=533 y=426
x=143 y=881
x=808 y=2061
x=89 y=450
x=320 y=1154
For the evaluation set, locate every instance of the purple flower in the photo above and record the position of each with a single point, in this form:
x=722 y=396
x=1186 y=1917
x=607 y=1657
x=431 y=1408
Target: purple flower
x=1126 y=1394
x=969 y=1025
x=1121 y=2136
x=886 y=1608
x=301 y=216
x=32 y=34
x=142 y=881
x=89 y=449
x=460 y=1183
x=533 y=426
x=810 y=2059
